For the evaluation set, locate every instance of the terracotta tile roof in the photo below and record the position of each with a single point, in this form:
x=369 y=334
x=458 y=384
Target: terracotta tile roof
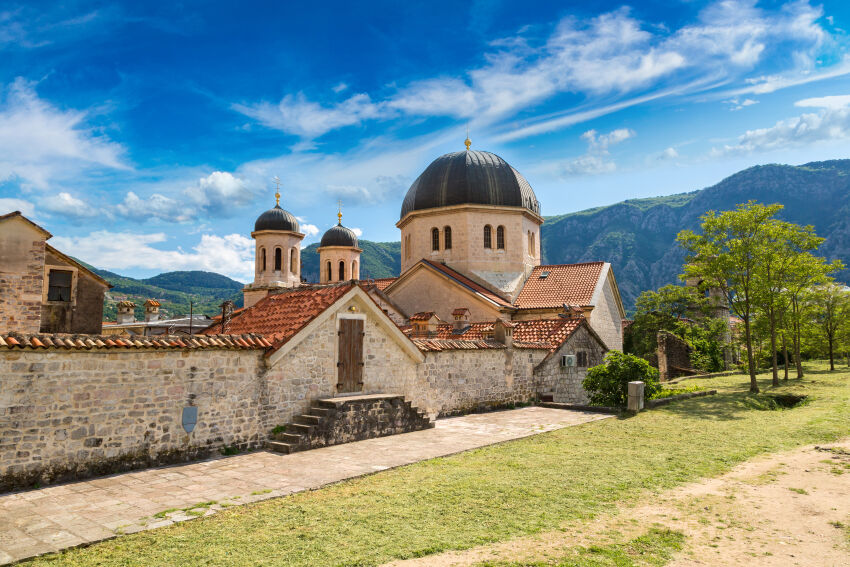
x=435 y=345
x=279 y=316
x=422 y=316
x=572 y=284
x=152 y=303
x=460 y=311
x=126 y=303
x=80 y=342
x=468 y=283
x=382 y=283
x=544 y=334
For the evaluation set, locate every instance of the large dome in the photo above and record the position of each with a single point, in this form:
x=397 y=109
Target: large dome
x=276 y=219
x=339 y=236
x=469 y=177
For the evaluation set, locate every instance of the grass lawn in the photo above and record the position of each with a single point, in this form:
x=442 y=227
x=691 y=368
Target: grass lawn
x=499 y=492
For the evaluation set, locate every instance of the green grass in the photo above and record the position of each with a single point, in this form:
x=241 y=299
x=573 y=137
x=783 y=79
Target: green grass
x=498 y=492
x=656 y=547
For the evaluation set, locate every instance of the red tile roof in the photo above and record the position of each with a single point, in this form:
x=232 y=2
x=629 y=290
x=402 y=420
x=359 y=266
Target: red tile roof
x=545 y=334
x=279 y=316
x=422 y=316
x=572 y=284
x=382 y=283
x=468 y=283
x=68 y=341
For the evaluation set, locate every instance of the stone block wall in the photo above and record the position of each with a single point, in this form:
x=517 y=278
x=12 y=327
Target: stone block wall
x=21 y=284
x=563 y=384
x=66 y=415
x=673 y=355
x=606 y=319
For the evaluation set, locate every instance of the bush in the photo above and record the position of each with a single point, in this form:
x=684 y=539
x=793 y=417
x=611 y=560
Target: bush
x=608 y=383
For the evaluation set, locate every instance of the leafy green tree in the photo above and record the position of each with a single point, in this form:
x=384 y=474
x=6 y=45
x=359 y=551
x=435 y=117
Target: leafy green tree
x=660 y=310
x=832 y=309
x=782 y=251
x=608 y=383
x=726 y=255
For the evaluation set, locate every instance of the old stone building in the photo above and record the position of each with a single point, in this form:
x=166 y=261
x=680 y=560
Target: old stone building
x=472 y=322
x=42 y=289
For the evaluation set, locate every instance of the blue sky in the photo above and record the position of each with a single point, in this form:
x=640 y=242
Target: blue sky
x=145 y=136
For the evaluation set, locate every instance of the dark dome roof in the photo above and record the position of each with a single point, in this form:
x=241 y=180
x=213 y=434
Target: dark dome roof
x=469 y=177
x=276 y=219
x=339 y=236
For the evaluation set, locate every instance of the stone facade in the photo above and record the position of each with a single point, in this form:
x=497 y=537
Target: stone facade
x=84 y=313
x=562 y=384
x=64 y=414
x=330 y=258
x=606 y=317
x=504 y=268
x=673 y=356
x=22 y=249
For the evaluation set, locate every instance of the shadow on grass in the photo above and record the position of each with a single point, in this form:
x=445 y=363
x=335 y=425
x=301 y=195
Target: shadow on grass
x=720 y=406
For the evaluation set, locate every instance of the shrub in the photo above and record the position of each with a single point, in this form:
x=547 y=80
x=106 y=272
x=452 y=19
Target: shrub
x=608 y=383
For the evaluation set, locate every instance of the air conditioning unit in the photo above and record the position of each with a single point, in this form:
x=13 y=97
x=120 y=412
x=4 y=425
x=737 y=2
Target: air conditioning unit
x=568 y=360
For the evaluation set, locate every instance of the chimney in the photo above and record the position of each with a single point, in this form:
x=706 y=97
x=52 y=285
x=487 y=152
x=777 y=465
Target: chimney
x=226 y=316
x=503 y=332
x=461 y=316
x=151 y=310
x=572 y=312
x=126 y=313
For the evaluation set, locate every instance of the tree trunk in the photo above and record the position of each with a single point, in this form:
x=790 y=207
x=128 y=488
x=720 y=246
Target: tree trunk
x=772 y=321
x=751 y=364
x=830 y=340
x=797 y=361
x=785 y=355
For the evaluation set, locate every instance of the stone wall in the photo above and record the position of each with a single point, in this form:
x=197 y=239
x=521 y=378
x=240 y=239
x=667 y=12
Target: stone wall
x=673 y=355
x=461 y=381
x=84 y=313
x=21 y=276
x=426 y=290
x=606 y=319
x=67 y=414
x=563 y=384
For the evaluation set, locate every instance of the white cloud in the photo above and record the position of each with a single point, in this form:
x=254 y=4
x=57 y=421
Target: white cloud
x=309 y=229
x=232 y=255
x=611 y=54
x=40 y=143
x=668 y=154
x=339 y=87
x=738 y=104
x=829 y=124
x=217 y=195
x=357 y=231
x=301 y=117
x=68 y=205
x=596 y=160
x=831 y=102
x=7 y=205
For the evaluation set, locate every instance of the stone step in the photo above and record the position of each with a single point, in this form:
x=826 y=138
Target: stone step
x=307 y=419
x=299 y=429
x=281 y=447
x=293 y=438
x=319 y=412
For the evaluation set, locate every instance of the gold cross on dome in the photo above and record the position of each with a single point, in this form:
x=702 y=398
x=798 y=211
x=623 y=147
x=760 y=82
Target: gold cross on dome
x=277 y=190
x=467 y=142
x=339 y=211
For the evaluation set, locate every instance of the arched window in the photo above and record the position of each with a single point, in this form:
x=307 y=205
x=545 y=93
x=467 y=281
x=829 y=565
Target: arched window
x=341 y=270
x=532 y=245
x=488 y=236
x=293 y=260
x=330 y=272
x=435 y=239
x=262 y=259
x=354 y=269
x=407 y=248
x=278 y=259
x=500 y=238
x=447 y=238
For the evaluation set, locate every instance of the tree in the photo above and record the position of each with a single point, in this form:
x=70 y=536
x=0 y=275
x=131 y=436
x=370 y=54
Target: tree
x=662 y=309
x=608 y=383
x=832 y=308
x=785 y=249
x=726 y=255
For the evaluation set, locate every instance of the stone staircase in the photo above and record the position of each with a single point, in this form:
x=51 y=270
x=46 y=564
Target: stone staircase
x=332 y=421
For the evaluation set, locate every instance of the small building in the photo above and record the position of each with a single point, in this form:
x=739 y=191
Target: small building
x=153 y=325
x=42 y=289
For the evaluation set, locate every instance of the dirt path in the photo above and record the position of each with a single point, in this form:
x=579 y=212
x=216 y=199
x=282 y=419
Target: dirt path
x=784 y=509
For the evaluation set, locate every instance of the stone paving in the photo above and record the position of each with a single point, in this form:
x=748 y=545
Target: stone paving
x=57 y=517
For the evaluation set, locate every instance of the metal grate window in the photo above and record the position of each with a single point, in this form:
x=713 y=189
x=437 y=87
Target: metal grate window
x=500 y=238
x=435 y=239
x=447 y=237
x=488 y=236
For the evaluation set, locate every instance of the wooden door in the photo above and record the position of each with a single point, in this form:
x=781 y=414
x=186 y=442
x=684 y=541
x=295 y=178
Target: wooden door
x=350 y=364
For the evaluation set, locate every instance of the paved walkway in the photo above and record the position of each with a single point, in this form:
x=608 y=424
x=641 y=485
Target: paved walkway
x=57 y=517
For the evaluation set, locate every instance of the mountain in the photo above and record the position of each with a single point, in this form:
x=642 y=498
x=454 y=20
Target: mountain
x=174 y=290
x=638 y=236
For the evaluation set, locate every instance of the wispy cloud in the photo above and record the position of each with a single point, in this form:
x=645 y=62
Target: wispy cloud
x=232 y=255
x=40 y=143
x=597 y=159
x=611 y=56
